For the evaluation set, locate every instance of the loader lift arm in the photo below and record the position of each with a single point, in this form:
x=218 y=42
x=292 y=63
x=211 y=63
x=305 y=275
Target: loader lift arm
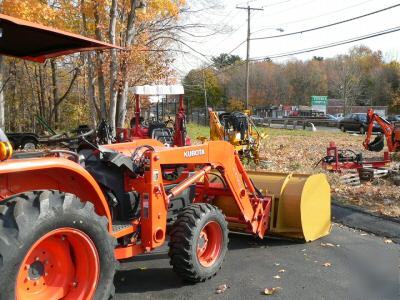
x=391 y=133
x=254 y=209
x=253 y=203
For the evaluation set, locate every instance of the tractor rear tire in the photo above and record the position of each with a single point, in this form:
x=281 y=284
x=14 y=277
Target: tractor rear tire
x=53 y=246
x=198 y=242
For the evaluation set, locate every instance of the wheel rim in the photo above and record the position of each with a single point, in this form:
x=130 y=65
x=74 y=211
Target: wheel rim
x=209 y=244
x=29 y=146
x=63 y=264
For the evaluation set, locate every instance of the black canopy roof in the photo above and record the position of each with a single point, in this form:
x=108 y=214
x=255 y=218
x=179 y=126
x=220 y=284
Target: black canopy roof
x=31 y=41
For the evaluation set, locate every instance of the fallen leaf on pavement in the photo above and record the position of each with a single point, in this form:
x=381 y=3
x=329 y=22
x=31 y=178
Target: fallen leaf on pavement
x=388 y=241
x=277 y=277
x=221 y=289
x=327 y=245
x=327 y=264
x=271 y=291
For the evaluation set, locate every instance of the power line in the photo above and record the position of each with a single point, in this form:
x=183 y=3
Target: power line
x=301 y=51
x=276 y=3
x=335 y=44
x=328 y=25
x=237 y=47
x=325 y=14
x=267 y=5
x=290 y=8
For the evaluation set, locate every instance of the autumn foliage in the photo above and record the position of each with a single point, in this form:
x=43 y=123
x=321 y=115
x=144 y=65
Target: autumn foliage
x=360 y=77
x=88 y=87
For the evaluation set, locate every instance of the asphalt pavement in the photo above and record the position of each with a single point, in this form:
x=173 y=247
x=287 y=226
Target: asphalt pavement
x=347 y=264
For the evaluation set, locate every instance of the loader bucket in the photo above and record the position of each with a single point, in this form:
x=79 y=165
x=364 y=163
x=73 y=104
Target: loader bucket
x=301 y=206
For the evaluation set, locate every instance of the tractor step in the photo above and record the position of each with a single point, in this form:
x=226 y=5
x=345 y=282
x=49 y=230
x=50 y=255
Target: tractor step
x=121 y=229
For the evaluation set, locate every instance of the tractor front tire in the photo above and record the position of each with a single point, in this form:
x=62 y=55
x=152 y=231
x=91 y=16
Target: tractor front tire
x=53 y=246
x=198 y=242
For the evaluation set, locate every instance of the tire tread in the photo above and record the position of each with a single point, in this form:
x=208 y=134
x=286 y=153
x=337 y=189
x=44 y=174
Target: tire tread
x=22 y=215
x=182 y=240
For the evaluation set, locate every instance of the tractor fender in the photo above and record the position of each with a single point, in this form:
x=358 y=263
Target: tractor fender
x=22 y=175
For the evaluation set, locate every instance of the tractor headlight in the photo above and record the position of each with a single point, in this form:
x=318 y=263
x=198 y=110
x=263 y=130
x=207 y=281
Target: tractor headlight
x=6 y=151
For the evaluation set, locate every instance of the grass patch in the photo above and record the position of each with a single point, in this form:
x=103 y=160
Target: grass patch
x=196 y=131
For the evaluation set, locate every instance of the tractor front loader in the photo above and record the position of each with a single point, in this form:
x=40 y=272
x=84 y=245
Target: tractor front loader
x=66 y=218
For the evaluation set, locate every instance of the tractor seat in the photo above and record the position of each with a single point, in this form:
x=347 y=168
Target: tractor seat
x=164 y=135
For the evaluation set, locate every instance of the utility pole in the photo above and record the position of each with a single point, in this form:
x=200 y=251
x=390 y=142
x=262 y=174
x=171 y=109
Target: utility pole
x=205 y=99
x=249 y=9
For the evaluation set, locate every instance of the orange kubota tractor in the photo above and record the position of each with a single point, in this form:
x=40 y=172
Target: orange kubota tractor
x=66 y=218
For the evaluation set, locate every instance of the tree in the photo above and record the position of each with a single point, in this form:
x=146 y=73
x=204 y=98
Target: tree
x=348 y=81
x=395 y=103
x=225 y=60
x=194 y=83
x=359 y=77
x=104 y=78
x=318 y=58
x=235 y=105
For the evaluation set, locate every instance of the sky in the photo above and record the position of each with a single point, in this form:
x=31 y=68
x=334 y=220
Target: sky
x=291 y=16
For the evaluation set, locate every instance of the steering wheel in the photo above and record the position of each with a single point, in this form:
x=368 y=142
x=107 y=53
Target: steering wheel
x=74 y=143
x=170 y=123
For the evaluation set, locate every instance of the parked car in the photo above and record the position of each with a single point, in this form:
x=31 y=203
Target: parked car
x=331 y=117
x=357 y=122
x=339 y=116
x=393 y=118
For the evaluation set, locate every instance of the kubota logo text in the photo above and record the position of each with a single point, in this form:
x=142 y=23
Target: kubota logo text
x=193 y=153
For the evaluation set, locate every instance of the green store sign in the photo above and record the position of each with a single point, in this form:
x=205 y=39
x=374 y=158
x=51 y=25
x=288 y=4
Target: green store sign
x=319 y=100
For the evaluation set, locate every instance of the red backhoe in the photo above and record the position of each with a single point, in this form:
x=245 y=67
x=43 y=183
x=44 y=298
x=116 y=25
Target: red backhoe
x=390 y=131
x=338 y=159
